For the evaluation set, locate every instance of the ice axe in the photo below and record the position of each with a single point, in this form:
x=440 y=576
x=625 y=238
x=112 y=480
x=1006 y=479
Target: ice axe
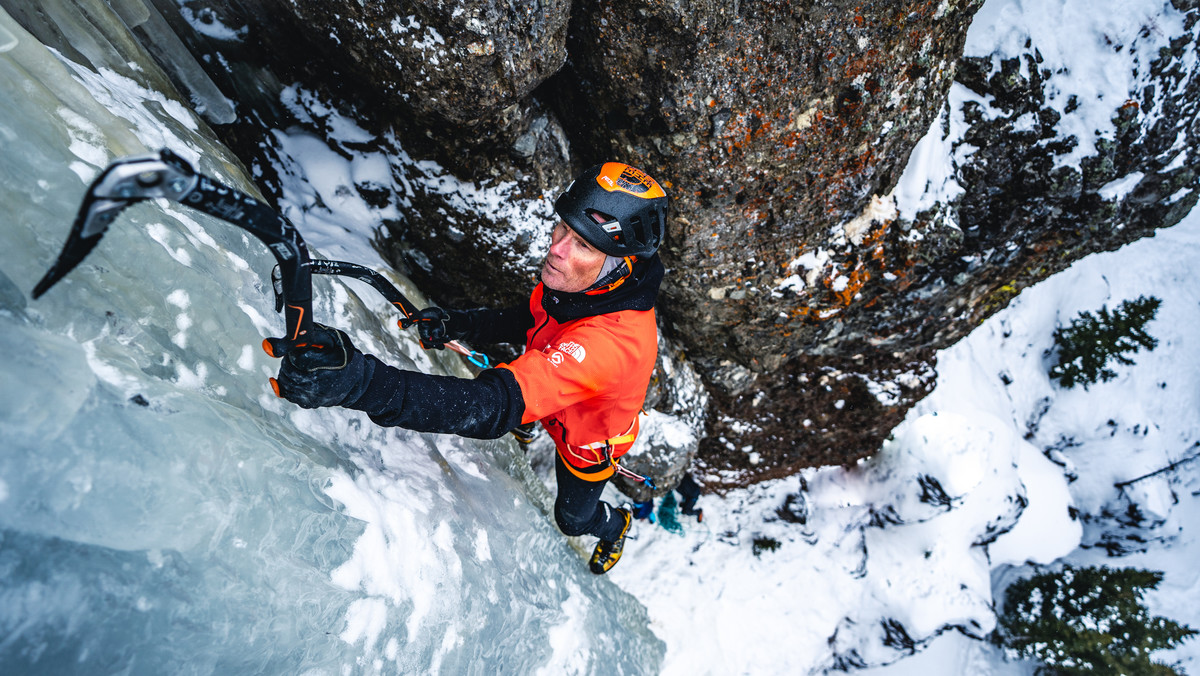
x=129 y=180
x=321 y=266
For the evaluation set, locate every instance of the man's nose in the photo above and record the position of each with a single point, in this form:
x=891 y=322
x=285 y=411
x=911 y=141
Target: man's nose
x=559 y=248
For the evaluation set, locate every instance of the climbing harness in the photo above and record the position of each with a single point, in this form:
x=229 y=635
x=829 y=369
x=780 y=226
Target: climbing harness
x=607 y=456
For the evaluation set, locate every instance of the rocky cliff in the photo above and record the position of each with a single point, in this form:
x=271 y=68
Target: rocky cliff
x=809 y=304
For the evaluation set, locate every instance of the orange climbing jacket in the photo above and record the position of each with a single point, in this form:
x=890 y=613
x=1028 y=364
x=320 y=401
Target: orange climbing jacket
x=584 y=373
x=585 y=379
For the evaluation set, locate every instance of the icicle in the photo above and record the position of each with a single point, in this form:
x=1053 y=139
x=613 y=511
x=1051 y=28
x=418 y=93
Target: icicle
x=7 y=40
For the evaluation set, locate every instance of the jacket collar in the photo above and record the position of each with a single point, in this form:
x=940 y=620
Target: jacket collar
x=638 y=292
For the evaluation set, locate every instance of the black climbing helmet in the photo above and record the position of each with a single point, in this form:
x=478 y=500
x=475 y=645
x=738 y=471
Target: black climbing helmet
x=617 y=208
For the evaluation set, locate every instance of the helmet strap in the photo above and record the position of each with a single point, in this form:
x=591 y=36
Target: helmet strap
x=613 y=273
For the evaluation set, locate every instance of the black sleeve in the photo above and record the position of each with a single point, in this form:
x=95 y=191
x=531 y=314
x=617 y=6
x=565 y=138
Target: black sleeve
x=485 y=407
x=483 y=325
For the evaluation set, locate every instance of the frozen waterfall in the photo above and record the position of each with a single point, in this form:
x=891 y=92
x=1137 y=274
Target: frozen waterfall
x=162 y=512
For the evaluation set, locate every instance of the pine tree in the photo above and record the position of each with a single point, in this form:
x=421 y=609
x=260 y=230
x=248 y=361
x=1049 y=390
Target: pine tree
x=1088 y=621
x=1086 y=347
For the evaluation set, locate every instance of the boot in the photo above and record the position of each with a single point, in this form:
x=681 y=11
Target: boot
x=606 y=554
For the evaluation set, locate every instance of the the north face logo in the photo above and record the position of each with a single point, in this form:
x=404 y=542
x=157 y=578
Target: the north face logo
x=574 y=349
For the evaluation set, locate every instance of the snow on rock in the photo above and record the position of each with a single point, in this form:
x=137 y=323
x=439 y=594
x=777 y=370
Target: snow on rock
x=897 y=543
x=1098 y=51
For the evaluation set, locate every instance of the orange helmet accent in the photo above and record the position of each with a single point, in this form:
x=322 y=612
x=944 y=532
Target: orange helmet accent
x=623 y=271
x=617 y=208
x=617 y=176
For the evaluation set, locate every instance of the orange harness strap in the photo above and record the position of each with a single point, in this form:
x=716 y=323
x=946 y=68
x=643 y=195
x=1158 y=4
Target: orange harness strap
x=602 y=465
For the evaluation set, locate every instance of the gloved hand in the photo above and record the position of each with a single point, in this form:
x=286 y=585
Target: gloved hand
x=431 y=326
x=325 y=371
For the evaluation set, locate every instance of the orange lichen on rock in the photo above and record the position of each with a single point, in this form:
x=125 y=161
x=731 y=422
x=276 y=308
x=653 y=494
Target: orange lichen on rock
x=844 y=283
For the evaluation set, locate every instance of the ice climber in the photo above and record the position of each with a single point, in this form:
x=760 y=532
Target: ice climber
x=590 y=339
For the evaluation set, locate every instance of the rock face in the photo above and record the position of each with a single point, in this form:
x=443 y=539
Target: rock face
x=809 y=307
x=451 y=82
x=774 y=123
x=459 y=63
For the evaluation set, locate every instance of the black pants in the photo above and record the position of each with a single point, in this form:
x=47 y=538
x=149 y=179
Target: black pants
x=579 y=509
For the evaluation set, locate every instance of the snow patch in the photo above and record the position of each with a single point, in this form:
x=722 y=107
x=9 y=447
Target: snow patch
x=1115 y=191
x=878 y=211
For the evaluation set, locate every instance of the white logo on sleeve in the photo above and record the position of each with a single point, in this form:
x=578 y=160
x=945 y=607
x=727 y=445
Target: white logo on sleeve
x=574 y=349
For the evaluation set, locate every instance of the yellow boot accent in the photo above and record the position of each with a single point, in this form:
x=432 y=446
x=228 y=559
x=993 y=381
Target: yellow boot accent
x=606 y=554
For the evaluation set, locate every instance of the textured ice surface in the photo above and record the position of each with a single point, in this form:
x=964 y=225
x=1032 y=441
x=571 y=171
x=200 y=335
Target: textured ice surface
x=162 y=512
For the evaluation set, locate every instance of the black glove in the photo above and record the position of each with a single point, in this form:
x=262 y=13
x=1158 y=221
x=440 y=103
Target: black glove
x=326 y=371
x=431 y=326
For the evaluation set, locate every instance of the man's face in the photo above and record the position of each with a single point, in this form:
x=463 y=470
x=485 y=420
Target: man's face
x=572 y=264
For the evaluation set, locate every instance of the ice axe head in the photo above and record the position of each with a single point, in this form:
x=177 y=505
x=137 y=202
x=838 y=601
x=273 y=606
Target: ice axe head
x=125 y=182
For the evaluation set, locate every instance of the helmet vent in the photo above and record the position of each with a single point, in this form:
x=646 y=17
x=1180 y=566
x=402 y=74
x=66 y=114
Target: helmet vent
x=639 y=229
x=607 y=223
x=599 y=216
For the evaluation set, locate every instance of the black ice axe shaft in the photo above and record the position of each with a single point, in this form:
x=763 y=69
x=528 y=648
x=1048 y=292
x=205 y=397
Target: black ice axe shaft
x=385 y=288
x=377 y=281
x=130 y=180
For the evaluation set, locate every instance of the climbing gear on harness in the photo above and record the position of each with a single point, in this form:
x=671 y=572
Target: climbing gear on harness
x=603 y=460
x=599 y=470
x=601 y=450
x=617 y=208
x=607 y=553
x=628 y=473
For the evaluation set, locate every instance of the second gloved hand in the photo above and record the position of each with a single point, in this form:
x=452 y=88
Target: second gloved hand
x=431 y=326
x=326 y=371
